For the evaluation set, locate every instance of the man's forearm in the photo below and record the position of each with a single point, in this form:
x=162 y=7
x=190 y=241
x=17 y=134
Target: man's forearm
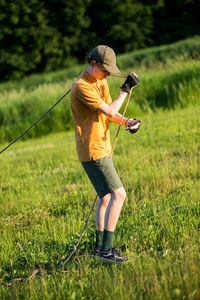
x=112 y=109
x=117 y=119
x=117 y=103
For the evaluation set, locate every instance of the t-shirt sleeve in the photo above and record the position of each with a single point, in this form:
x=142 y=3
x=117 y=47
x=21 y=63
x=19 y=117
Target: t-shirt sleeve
x=89 y=96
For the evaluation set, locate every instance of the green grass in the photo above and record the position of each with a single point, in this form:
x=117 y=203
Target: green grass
x=169 y=78
x=45 y=197
x=186 y=49
x=176 y=84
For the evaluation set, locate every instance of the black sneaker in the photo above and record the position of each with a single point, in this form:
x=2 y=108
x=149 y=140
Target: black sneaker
x=96 y=252
x=112 y=256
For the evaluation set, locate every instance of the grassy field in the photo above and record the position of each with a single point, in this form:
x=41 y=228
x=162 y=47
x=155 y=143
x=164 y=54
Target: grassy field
x=45 y=198
x=169 y=78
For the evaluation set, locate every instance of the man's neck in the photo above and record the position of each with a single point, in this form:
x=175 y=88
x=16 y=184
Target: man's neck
x=91 y=72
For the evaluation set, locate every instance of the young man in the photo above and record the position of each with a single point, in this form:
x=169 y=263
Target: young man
x=92 y=108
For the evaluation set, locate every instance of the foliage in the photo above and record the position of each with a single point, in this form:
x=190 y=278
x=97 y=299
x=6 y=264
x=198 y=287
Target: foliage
x=125 y=26
x=34 y=38
x=174 y=20
x=45 y=197
x=38 y=36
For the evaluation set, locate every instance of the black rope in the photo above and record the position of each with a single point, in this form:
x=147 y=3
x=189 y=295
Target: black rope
x=68 y=257
x=34 y=123
x=62 y=263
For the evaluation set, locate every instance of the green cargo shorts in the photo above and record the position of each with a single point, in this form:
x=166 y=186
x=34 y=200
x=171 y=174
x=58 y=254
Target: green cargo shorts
x=102 y=175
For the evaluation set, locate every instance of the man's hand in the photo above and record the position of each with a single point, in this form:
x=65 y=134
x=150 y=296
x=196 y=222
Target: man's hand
x=133 y=125
x=131 y=81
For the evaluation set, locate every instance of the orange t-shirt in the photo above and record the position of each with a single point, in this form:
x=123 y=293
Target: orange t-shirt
x=91 y=126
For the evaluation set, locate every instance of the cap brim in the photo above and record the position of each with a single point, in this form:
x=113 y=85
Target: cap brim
x=111 y=69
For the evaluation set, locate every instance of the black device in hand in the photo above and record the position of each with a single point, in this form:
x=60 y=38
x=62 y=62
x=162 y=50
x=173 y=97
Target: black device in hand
x=133 y=128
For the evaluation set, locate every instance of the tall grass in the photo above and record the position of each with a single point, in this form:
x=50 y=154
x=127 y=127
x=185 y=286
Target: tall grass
x=170 y=80
x=20 y=109
x=45 y=198
x=185 y=49
x=167 y=88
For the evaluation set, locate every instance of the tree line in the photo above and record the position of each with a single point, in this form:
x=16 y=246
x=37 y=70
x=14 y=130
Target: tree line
x=39 y=35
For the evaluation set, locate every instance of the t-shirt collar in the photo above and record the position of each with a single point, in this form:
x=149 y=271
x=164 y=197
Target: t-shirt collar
x=88 y=77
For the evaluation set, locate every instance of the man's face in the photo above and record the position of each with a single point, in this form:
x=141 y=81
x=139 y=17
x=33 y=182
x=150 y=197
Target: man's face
x=101 y=72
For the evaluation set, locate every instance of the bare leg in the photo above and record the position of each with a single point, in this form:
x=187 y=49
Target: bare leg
x=108 y=209
x=114 y=208
x=102 y=205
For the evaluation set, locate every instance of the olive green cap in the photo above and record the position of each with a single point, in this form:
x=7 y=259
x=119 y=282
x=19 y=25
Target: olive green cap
x=105 y=56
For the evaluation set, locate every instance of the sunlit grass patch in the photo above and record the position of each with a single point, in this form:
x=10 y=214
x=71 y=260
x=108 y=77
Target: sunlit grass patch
x=45 y=197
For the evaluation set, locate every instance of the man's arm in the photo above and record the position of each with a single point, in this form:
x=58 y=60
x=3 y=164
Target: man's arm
x=112 y=109
x=117 y=119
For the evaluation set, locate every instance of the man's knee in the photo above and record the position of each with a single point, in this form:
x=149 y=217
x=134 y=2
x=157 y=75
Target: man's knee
x=105 y=199
x=120 y=194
